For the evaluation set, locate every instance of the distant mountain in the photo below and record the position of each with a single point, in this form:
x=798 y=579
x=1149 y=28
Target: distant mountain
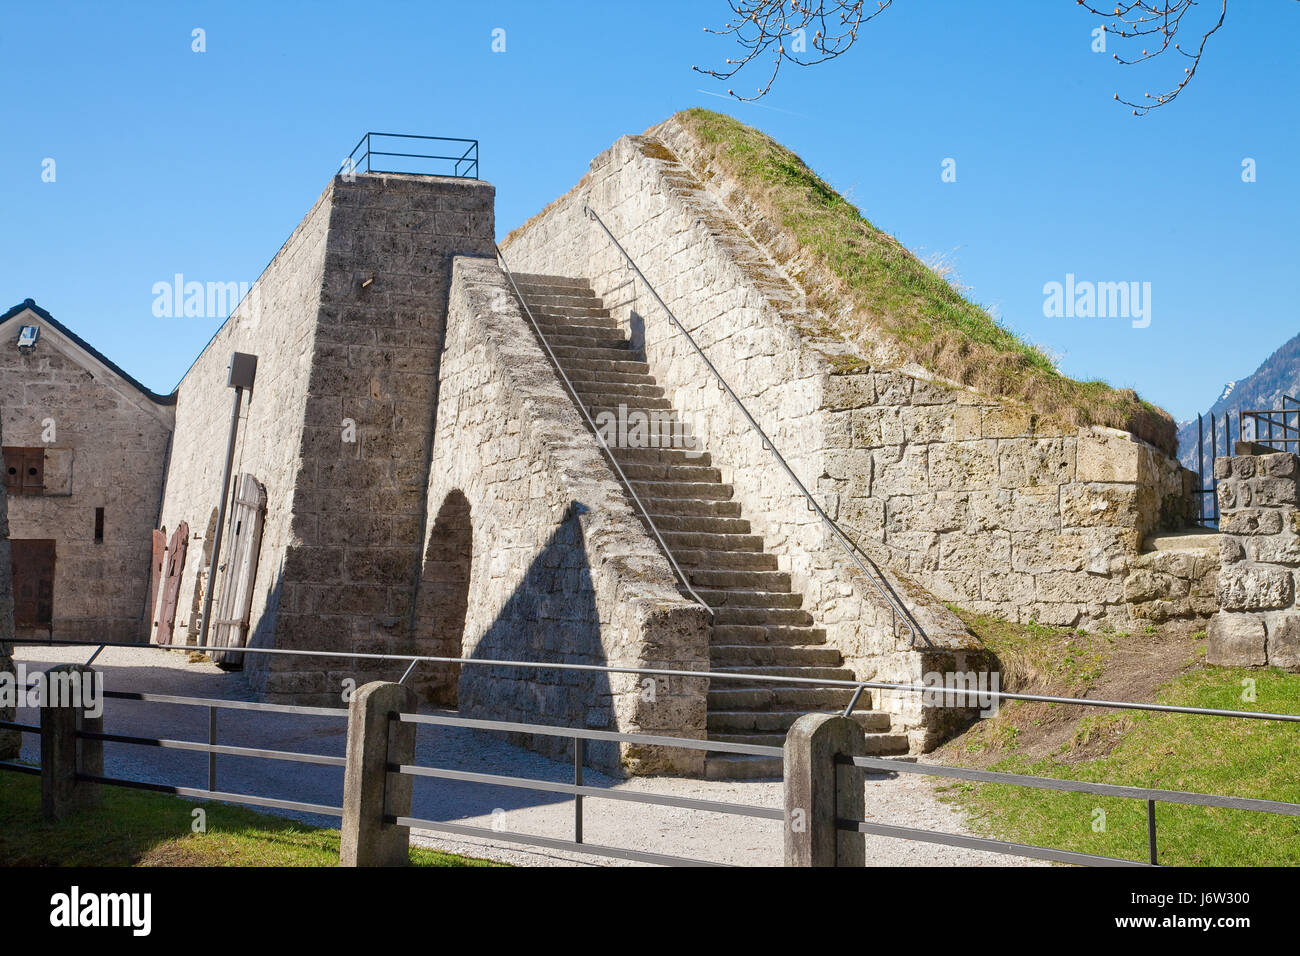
x=1263 y=389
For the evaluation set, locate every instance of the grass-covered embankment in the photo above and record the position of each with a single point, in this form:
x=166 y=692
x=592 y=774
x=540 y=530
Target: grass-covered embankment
x=864 y=279
x=1233 y=757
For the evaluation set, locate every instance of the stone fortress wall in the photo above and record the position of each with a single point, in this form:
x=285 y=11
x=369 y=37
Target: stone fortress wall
x=347 y=321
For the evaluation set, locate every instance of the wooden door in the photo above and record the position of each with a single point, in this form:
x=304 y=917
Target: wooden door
x=155 y=578
x=238 y=571
x=171 y=588
x=33 y=566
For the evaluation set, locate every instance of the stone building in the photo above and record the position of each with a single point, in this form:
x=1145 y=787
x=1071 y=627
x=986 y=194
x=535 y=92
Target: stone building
x=85 y=446
x=416 y=471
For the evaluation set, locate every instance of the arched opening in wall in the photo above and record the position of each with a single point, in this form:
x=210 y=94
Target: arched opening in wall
x=444 y=599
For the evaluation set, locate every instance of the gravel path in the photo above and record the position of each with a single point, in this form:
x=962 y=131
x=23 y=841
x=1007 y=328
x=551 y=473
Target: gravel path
x=905 y=799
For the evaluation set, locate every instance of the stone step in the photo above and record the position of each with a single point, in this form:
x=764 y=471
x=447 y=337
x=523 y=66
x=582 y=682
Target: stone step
x=750 y=598
x=776 y=697
x=751 y=580
x=618 y=365
x=593 y=325
x=780 y=721
x=790 y=617
x=614 y=393
x=670 y=471
x=732 y=655
x=567 y=306
x=682 y=456
x=665 y=418
x=690 y=558
x=587 y=376
x=767 y=632
x=737 y=673
x=689 y=490
x=697 y=523
x=547 y=280
x=583 y=353
x=712 y=542
x=575 y=340
x=663 y=507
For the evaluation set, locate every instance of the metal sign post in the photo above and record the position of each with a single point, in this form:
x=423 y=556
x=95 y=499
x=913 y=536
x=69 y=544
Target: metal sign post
x=243 y=370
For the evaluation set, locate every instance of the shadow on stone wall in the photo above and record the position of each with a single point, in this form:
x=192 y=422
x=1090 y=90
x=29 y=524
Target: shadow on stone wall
x=550 y=616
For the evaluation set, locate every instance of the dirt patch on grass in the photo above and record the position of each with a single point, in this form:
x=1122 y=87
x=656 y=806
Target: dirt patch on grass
x=1069 y=663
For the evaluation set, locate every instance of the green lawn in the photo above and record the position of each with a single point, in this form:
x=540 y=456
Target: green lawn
x=138 y=828
x=1245 y=758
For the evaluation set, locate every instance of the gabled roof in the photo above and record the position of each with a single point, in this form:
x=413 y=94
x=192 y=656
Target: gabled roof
x=30 y=305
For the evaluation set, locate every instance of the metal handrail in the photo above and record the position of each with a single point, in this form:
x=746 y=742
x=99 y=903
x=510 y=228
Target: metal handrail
x=897 y=609
x=945 y=692
x=645 y=512
x=469 y=157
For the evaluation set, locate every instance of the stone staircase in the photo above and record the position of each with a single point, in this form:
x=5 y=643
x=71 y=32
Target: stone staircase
x=759 y=626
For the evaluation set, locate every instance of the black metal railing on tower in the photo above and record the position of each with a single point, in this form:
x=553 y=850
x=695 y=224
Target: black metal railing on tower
x=447 y=156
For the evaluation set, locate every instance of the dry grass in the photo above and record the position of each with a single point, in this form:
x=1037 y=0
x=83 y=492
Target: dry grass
x=875 y=291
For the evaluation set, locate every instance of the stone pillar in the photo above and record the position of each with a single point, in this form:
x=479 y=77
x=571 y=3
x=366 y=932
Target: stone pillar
x=817 y=792
x=376 y=739
x=1258 y=622
x=63 y=755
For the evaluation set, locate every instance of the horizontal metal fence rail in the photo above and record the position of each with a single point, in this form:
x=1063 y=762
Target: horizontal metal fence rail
x=577 y=789
x=984 y=843
x=897 y=609
x=550 y=843
x=579 y=792
x=973 y=695
x=464 y=163
x=1150 y=795
x=20 y=767
x=218 y=795
x=582 y=733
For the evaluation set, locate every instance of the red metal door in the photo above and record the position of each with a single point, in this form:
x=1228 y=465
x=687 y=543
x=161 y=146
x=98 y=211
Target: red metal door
x=33 y=562
x=171 y=589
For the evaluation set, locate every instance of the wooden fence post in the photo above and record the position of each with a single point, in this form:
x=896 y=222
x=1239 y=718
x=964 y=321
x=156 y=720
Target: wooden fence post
x=376 y=739
x=63 y=754
x=818 y=792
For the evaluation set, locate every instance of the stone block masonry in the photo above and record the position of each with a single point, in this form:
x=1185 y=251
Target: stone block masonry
x=959 y=496
x=533 y=553
x=10 y=741
x=103 y=442
x=1258 y=622
x=348 y=322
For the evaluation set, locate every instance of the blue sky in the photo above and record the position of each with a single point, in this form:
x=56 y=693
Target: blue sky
x=173 y=161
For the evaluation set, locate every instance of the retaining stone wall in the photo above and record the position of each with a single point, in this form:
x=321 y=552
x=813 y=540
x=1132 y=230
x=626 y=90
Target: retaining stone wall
x=1259 y=505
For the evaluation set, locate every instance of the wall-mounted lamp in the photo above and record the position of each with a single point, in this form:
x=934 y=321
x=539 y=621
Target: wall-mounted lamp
x=27 y=337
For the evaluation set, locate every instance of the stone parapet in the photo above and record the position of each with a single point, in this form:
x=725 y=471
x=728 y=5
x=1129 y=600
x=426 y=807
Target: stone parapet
x=1258 y=622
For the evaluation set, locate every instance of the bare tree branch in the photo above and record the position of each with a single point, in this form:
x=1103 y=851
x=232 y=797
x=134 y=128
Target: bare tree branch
x=1160 y=21
x=761 y=25
x=780 y=29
